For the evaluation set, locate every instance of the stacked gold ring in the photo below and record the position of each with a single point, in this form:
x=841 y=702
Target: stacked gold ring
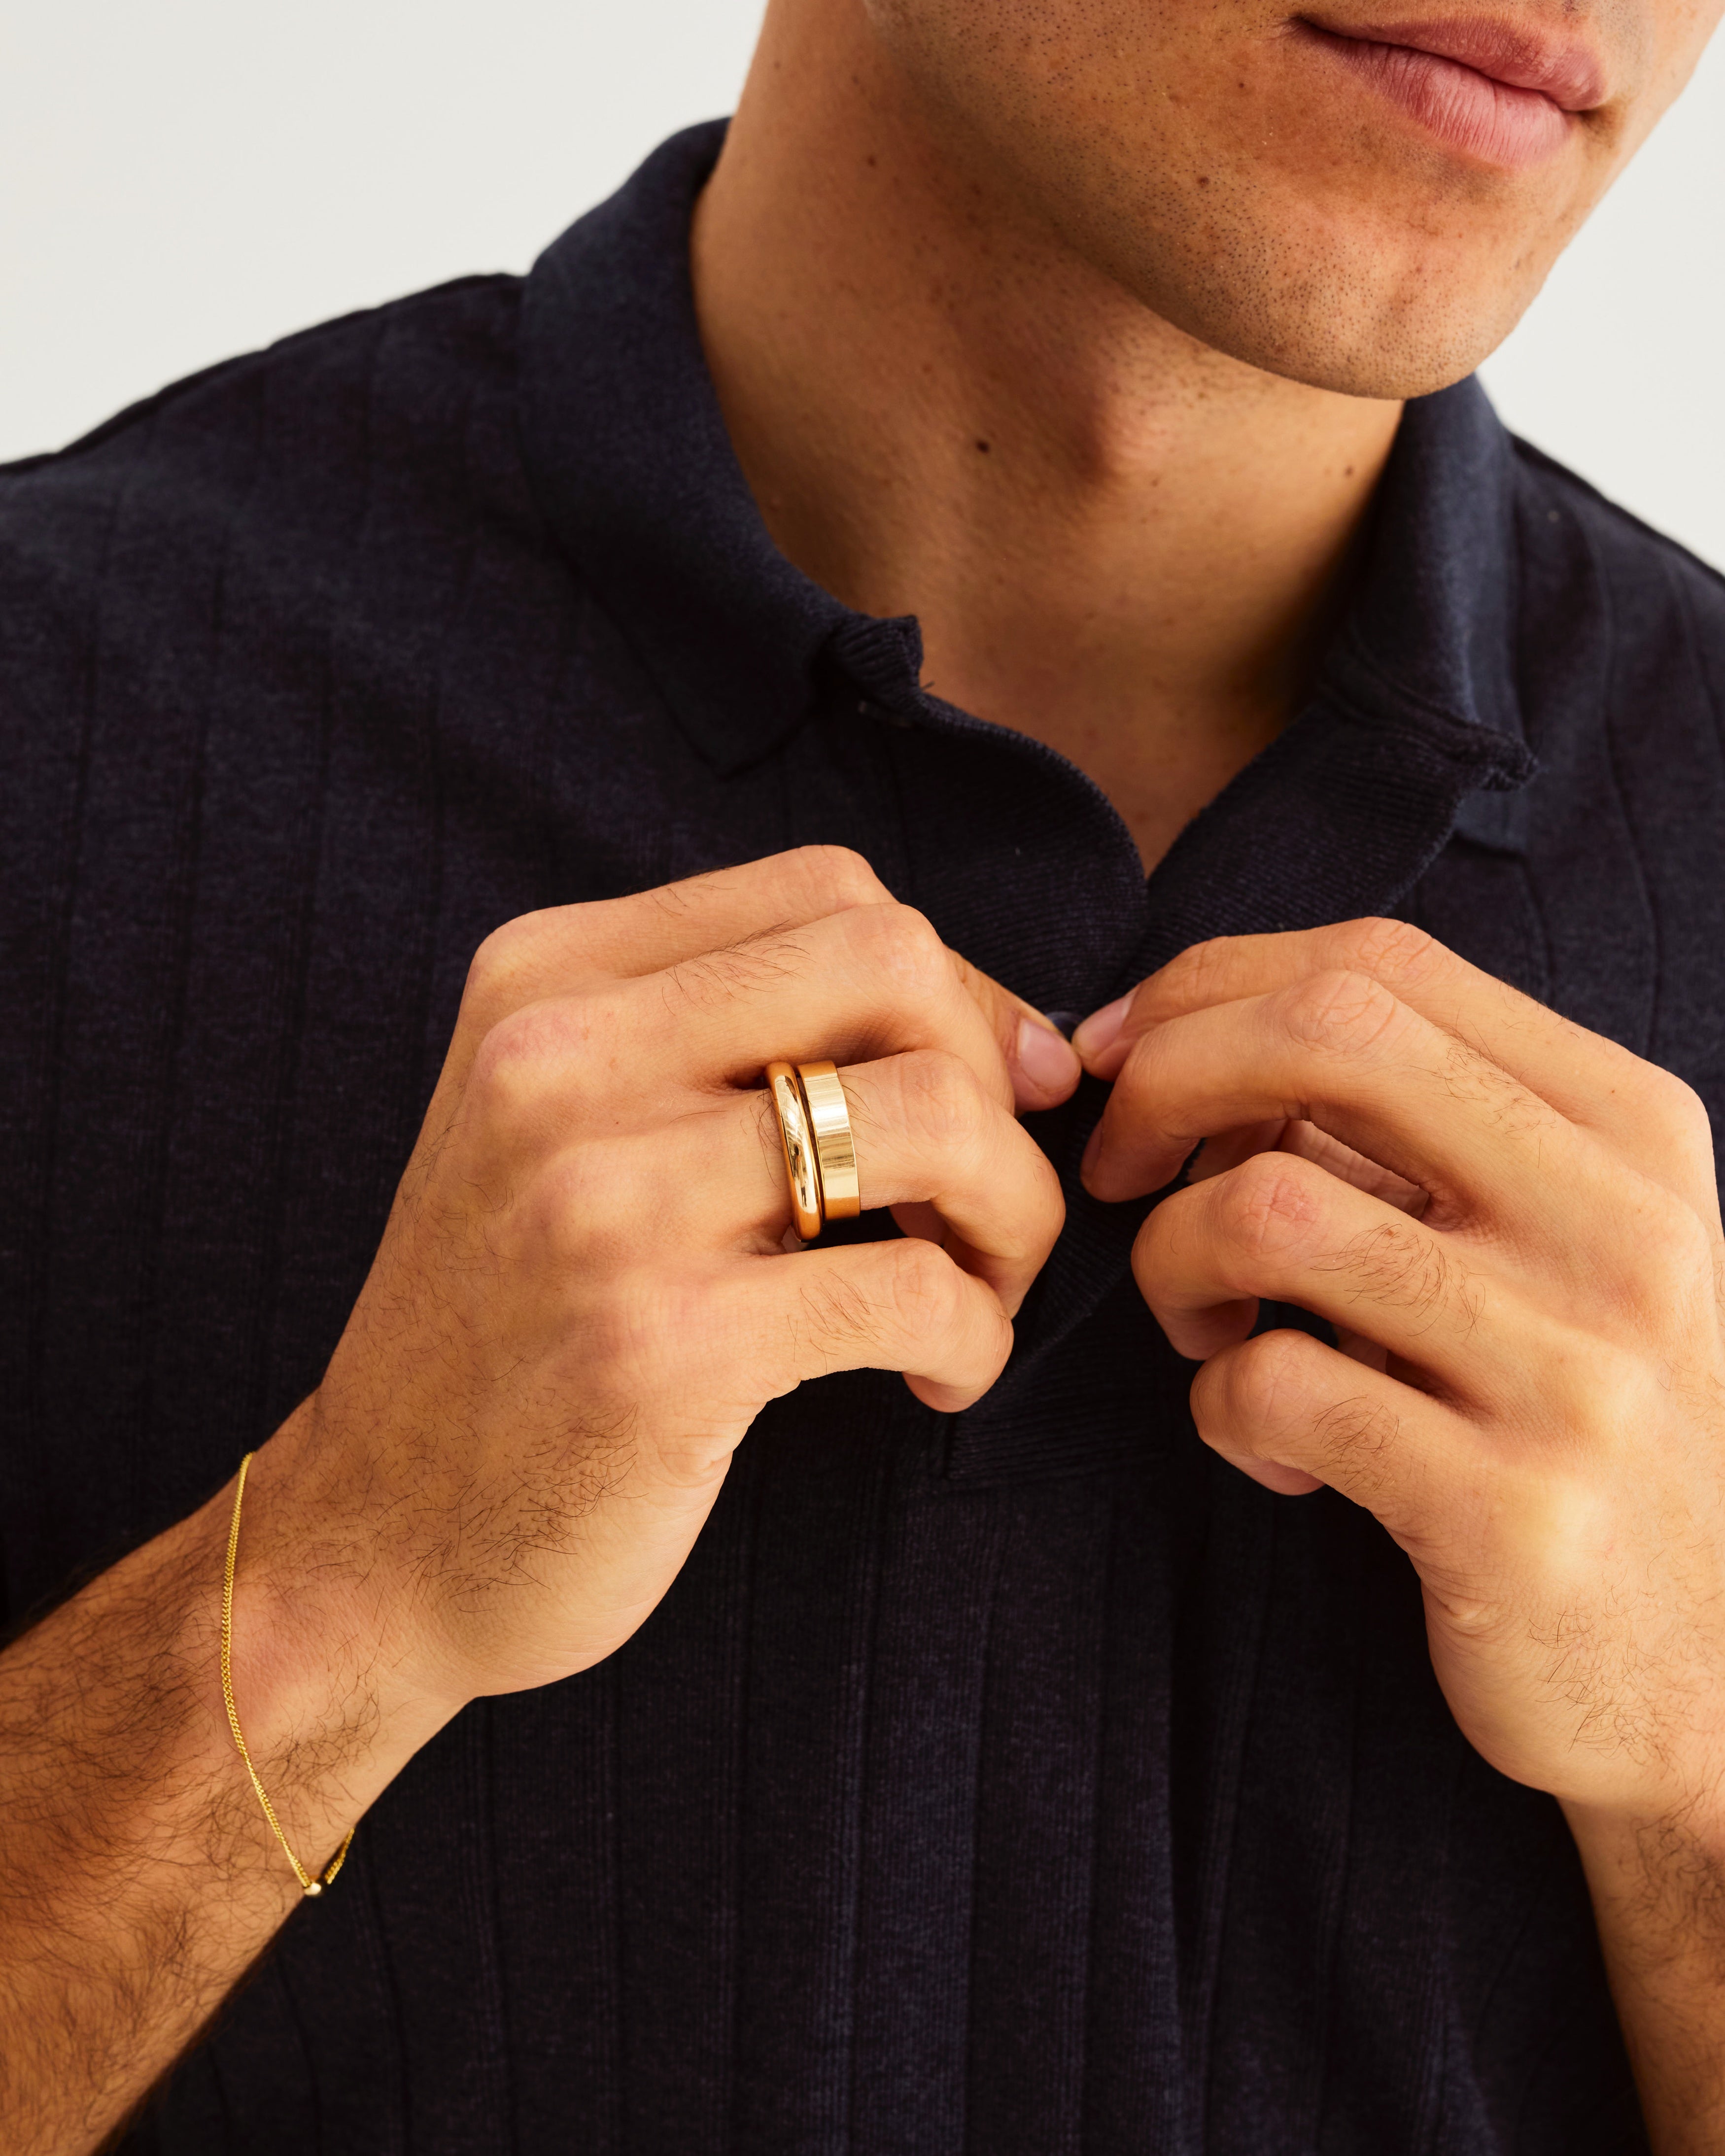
x=819 y=1151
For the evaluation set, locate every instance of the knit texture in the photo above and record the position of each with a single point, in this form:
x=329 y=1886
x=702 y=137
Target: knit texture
x=1022 y=1783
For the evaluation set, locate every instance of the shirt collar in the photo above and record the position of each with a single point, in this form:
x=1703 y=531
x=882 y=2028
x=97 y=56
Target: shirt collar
x=631 y=460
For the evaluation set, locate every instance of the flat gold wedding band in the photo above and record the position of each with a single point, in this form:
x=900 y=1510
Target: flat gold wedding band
x=819 y=1152
x=835 y=1147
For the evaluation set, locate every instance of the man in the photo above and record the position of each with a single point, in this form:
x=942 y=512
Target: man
x=980 y=1761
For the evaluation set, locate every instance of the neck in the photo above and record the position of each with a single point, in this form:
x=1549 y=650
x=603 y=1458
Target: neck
x=1116 y=539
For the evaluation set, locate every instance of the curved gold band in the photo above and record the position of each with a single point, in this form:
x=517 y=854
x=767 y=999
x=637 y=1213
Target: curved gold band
x=802 y=1171
x=819 y=1151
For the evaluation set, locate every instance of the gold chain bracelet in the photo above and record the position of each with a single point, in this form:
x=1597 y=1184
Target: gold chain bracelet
x=308 y=1885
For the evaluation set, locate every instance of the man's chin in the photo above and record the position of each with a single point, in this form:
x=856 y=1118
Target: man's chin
x=1391 y=300
x=1334 y=337
x=1388 y=372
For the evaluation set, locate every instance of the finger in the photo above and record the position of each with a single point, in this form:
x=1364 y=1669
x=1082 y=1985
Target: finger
x=1281 y=1228
x=1337 y=1050
x=1043 y=1064
x=560 y=950
x=1650 y=1118
x=553 y=951
x=853 y=987
x=1216 y=1155
x=873 y=981
x=927 y=1136
x=899 y=1305
x=1294 y=1414
x=1446 y=1306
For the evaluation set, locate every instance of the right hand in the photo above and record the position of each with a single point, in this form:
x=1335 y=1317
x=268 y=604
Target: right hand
x=584 y=1297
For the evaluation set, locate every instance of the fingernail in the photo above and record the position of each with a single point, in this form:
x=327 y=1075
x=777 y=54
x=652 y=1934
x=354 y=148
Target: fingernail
x=1044 y=1058
x=1101 y=1028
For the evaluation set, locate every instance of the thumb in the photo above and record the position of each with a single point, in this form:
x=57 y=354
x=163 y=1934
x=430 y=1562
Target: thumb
x=1042 y=1063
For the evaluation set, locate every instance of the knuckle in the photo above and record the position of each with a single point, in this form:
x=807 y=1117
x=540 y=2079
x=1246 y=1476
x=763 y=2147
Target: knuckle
x=1261 y=1397
x=1680 y=1113
x=925 y=1290
x=493 y=959
x=508 y=1069
x=1266 y=1204
x=1389 y=950
x=830 y=879
x=499 y=967
x=942 y=1104
x=1673 y=1260
x=1251 y=1389
x=1679 y=1235
x=902 y=943
x=522 y=1056
x=1198 y=972
x=1339 y=1012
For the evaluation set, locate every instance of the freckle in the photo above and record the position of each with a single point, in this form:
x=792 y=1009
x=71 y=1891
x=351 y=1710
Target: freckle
x=1349 y=474
x=873 y=159
x=1203 y=179
x=984 y=447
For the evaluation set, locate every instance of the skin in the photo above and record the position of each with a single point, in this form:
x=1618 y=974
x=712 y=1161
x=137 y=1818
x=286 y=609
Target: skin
x=583 y=1298
x=1176 y=270
x=1081 y=329
x=1514 y=1226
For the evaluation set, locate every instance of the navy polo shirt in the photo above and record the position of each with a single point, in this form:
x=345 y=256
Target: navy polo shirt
x=1023 y=1782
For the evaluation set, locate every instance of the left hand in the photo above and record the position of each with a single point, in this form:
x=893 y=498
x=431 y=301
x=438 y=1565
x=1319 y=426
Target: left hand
x=1514 y=1226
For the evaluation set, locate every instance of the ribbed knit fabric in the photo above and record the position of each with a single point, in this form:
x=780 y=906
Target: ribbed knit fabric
x=1024 y=1783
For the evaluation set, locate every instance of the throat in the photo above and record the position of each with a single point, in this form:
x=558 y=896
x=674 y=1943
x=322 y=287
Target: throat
x=1161 y=672
x=1159 y=758
x=1118 y=540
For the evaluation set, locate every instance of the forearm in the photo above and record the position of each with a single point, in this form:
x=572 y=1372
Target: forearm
x=1658 y=1887
x=138 y=1876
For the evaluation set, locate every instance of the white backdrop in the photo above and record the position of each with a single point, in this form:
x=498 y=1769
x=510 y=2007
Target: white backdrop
x=181 y=179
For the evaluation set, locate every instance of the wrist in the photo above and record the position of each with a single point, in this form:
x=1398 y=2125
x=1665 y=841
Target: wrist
x=1657 y=1872
x=331 y=1698
x=1657 y=1882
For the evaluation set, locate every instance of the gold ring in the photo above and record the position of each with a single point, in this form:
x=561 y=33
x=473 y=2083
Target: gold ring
x=835 y=1147
x=801 y=1167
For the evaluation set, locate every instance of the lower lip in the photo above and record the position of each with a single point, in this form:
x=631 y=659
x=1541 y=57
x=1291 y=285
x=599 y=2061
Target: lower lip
x=1513 y=129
